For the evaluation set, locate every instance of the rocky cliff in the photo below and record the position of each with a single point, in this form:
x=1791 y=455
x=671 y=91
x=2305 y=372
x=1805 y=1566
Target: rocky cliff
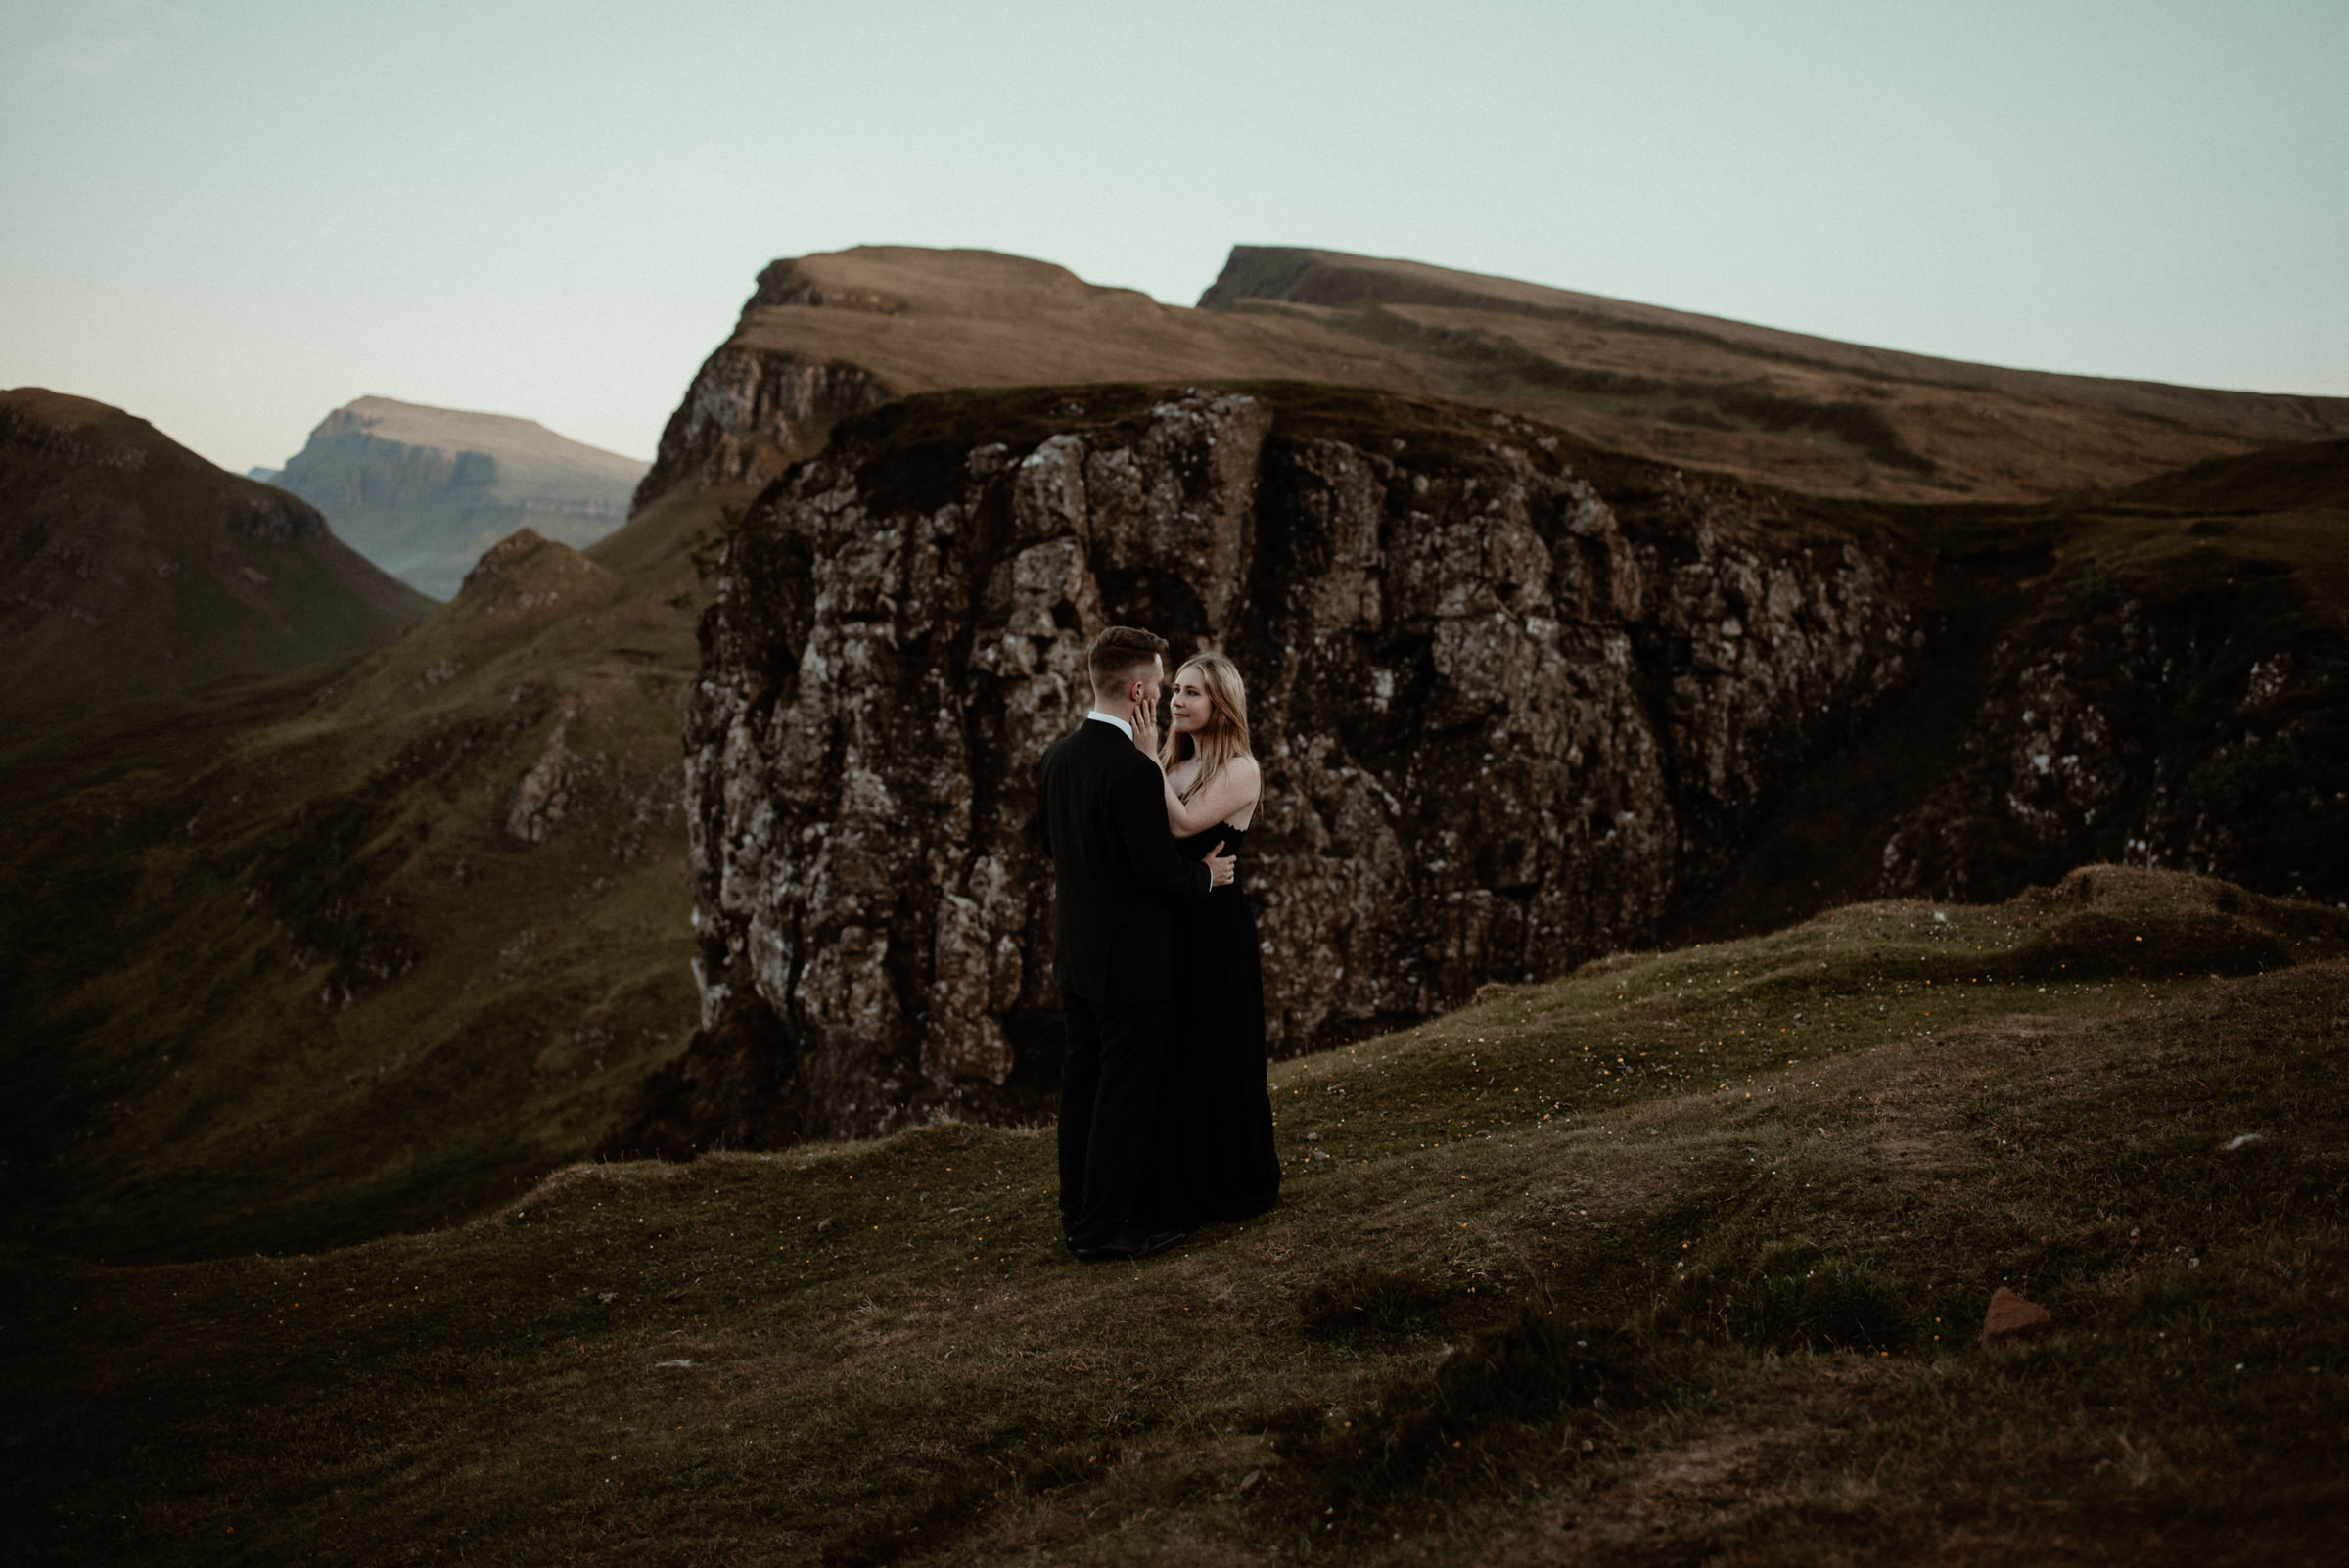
x=1510 y=697
x=2179 y=697
x=751 y=412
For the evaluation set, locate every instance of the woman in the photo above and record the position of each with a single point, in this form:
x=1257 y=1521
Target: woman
x=1215 y=1154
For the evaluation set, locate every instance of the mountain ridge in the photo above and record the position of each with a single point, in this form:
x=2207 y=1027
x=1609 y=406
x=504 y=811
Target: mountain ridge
x=136 y=569
x=826 y=336
x=1280 y=274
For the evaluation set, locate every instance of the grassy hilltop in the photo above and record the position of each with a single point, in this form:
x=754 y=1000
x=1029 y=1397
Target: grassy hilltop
x=1679 y=1258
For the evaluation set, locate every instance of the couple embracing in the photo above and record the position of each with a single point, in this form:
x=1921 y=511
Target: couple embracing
x=1165 y=1122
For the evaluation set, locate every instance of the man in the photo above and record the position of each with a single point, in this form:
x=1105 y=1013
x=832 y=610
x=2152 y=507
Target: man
x=1115 y=870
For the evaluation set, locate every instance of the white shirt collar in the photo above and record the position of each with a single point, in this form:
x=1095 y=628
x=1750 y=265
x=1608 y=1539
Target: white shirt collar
x=1112 y=718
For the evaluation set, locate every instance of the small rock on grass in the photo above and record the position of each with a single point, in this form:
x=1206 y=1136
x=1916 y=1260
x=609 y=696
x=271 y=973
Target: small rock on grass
x=2011 y=1319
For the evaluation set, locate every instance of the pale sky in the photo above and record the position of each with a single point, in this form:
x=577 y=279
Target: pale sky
x=230 y=219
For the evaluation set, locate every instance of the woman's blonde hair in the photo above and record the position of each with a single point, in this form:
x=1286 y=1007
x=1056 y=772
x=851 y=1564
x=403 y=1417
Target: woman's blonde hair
x=1225 y=735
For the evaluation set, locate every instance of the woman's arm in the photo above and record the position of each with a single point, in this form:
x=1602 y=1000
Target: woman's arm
x=1232 y=789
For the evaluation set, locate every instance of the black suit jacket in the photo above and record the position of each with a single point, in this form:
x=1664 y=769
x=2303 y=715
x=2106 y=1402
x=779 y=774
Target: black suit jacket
x=1115 y=867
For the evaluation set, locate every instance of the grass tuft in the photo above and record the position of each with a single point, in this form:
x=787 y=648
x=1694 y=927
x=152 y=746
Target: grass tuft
x=1360 y=1300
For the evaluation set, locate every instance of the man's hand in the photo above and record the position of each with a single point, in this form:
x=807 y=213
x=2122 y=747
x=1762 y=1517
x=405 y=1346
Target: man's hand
x=1221 y=867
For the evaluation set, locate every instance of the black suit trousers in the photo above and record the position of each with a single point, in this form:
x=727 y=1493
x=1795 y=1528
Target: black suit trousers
x=1107 y=1101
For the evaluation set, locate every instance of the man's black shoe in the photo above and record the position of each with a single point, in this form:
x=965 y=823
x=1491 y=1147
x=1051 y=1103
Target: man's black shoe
x=1158 y=1242
x=1122 y=1246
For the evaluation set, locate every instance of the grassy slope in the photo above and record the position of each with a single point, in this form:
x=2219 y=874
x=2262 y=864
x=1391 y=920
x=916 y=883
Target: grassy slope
x=185 y=1078
x=1830 y=417
x=1681 y=1256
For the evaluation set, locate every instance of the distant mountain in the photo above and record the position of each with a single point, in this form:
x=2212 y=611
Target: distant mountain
x=263 y=475
x=422 y=492
x=134 y=568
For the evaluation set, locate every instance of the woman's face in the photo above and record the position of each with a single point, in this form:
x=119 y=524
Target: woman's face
x=1188 y=702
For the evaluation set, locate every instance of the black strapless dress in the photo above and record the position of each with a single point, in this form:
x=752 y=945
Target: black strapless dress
x=1214 y=1158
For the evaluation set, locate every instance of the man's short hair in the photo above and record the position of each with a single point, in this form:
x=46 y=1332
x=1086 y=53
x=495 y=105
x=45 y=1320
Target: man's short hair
x=1119 y=653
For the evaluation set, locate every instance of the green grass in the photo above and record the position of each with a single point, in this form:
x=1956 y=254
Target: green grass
x=1682 y=1258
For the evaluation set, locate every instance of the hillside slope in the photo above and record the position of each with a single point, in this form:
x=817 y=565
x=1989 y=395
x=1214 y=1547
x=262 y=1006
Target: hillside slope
x=136 y=569
x=364 y=953
x=1681 y=1259
x=422 y=492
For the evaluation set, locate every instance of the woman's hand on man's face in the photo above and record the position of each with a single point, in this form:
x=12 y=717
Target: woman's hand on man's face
x=1145 y=727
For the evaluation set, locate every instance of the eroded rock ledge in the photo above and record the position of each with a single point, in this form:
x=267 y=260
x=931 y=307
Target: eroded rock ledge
x=749 y=413
x=1509 y=695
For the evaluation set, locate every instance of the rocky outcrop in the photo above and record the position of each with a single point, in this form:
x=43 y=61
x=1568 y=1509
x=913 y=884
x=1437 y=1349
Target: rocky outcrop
x=542 y=796
x=751 y=412
x=2189 y=713
x=37 y=423
x=1510 y=697
x=787 y=283
x=524 y=577
x=347 y=464
x=275 y=518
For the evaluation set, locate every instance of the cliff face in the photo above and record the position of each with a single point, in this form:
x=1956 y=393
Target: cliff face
x=751 y=412
x=1509 y=697
x=2186 y=708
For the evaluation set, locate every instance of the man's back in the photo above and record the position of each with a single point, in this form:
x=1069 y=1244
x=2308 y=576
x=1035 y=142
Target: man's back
x=1114 y=865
